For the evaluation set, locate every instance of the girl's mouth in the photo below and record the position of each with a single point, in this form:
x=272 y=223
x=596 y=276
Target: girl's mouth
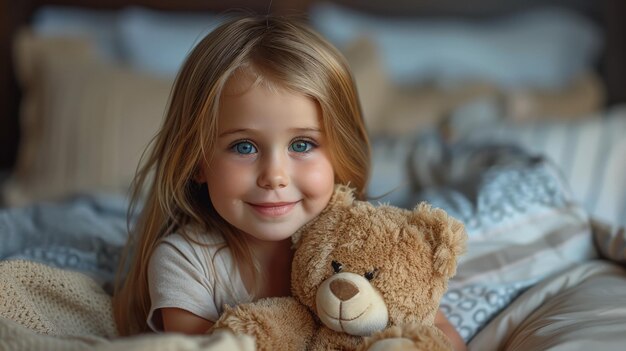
x=275 y=209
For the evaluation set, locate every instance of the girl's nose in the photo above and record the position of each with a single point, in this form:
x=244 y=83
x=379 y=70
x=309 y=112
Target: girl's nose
x=274 y=174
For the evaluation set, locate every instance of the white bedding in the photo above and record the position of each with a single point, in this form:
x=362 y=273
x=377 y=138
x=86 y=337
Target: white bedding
x=530 y=280
x=583 y=308
x=523 y=227
x=590 y=152
x=50 y=309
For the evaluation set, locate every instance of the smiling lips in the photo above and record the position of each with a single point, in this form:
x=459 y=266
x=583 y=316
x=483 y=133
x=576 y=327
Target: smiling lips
x=274 y=209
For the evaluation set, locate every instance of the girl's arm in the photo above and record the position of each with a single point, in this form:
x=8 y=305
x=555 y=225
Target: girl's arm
x=444 y=325
x=182 y=321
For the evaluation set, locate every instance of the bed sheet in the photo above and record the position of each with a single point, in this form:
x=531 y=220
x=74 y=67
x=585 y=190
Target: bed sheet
x=590 y=152
x=45 y=308
x=83 y=233
x=522 y=221
x=579 y=309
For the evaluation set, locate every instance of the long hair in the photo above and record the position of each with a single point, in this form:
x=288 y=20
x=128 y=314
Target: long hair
x=280 y=51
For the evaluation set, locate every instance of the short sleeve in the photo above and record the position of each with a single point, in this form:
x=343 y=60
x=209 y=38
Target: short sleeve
x=177 y=277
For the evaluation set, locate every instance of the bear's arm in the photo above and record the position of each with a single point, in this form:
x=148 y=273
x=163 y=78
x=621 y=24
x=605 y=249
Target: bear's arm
x=276 y=323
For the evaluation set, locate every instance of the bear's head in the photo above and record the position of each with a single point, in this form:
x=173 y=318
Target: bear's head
x=361 y=268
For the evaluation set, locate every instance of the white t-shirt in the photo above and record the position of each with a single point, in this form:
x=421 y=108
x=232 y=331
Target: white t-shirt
x=182 y=273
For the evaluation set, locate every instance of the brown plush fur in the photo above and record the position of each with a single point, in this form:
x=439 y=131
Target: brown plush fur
x=421 y=337
x=407 y=257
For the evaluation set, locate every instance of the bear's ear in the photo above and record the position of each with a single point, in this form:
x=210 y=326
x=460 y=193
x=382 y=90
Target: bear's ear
x=445 y=234
x=342 y=198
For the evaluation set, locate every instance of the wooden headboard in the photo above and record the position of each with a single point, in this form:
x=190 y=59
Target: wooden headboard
x=609 y=14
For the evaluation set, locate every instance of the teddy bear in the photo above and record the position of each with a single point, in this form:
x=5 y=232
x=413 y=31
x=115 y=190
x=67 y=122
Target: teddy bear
x=364 y=277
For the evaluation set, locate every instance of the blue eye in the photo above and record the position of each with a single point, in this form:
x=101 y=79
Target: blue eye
x=244 y=148
x=301 y=146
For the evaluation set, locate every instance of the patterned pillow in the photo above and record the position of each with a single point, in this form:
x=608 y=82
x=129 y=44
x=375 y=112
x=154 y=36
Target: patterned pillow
x=591 y=152
x=522 y=222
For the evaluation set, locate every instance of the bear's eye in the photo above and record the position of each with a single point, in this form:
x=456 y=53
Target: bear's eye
x=337 y=266
x=370 y=275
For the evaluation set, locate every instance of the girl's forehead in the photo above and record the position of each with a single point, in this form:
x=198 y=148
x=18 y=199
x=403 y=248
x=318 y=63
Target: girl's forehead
x=239 y=83
x=255 y=107
x=246 y=78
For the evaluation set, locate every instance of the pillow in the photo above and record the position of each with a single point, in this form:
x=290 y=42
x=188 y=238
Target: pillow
x=84 y=124
x=545 y=47
x=148 y=40
x=584 y=95
x=580 y=309
x=391 y=109
x=522 y=221
x=98 y=26
x=158 y=42
x=373 y=85
x=591 y=152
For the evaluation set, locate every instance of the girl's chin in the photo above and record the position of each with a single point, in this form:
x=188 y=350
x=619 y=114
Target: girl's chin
x=270 y=237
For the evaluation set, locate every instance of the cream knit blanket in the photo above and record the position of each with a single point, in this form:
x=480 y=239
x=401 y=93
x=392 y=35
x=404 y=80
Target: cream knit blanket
x=46 y=308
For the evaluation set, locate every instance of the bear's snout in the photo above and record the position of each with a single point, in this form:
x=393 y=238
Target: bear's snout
x=343 y=289
x=348 y=302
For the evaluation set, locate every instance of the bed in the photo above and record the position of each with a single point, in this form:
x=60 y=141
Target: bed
x=509 y=115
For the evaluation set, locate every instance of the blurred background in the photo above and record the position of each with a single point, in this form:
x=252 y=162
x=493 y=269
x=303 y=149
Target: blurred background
x=84 y=83
x=508 y=114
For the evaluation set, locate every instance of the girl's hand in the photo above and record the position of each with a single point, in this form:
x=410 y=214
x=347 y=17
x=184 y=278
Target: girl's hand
x=444 y=325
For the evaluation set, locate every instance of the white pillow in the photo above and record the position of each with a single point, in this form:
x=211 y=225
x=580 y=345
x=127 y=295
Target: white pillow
x=97 y=26
x=545 y=47
x=158 y=42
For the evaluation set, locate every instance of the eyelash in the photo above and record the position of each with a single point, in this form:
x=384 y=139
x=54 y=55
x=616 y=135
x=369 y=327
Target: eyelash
x=308 y=141
x=311 y=144
x=233 y=146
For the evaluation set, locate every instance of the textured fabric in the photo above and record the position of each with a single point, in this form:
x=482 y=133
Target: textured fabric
x=591 y=154
x=49 y=309
x=523 y=226
x=83 y=233
x=579 y=309
x=521 y=217
x=39 y=298
x=84 y=124
x=610 y=241
x=194 y=276
x=536 y=218
x=16 y=337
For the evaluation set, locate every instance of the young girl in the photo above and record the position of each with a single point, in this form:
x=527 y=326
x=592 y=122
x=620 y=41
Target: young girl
x=263 y=121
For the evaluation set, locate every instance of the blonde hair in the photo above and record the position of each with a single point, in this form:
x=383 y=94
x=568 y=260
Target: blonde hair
x=283 y=51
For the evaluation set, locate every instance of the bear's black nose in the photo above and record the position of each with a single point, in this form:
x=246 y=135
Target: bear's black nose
x=343 y=289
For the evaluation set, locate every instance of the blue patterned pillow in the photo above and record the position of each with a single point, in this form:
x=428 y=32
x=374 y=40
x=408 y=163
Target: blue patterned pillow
x=522 y=223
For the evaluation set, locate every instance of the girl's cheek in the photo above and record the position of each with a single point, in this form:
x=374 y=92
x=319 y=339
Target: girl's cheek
x=318 y=175
x=227 y=173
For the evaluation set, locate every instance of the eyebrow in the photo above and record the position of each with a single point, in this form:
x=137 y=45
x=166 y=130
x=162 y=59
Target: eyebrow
x=244 y=130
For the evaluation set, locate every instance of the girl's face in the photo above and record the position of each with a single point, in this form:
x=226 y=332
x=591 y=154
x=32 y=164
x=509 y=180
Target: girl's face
x=271 y=172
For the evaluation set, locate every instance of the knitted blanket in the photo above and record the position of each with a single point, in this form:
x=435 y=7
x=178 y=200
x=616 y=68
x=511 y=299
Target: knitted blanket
x=46 y=308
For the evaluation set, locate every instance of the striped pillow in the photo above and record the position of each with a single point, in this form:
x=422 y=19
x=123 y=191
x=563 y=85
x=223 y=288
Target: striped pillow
x=590 y=152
